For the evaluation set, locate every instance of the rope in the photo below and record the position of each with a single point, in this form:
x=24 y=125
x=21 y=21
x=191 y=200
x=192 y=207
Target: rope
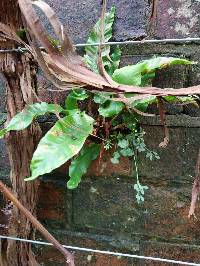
x=162 y=41
x=103 y=252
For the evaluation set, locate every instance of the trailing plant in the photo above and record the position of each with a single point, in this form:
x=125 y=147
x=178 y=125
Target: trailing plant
x=102 y=121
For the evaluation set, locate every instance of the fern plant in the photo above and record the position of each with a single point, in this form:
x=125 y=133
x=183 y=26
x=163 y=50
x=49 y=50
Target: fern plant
x=112 y=124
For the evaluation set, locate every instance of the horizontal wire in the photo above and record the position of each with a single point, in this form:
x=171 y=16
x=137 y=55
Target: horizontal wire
x=103 y=252
x=162 y=41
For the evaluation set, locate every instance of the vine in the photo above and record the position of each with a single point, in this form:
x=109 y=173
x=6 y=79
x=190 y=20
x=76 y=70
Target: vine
x=101 y=122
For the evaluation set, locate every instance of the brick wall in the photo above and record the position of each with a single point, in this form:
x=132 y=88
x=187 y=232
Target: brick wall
x=102 y=212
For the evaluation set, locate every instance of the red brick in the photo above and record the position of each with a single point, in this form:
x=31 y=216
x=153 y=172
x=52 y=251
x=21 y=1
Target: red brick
x=49 y=256
x=52 y=257
x=51 y=202
x=50 y=214
x=104 y=167
x=110 y=261
x=50 y=194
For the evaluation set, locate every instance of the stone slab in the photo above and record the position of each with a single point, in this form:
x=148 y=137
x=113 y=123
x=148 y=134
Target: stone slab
x=185 y=253
x=49 y=256
x=182 y=120
x=4 y=161
x=108 y=207
x=80 y=16
x=177 y=19
x=111 y=209
x=177 y=160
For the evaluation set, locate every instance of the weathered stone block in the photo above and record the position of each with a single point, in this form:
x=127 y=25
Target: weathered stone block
x=167 y=209
x=52 y=96
x=177 y=19
x=2 y=102
x=2 y=87
x=187 y=253
x=4 y=161
x=172 y=77
x=80 y=16
x=109 y=205
x=49 y=256
x=4 y=215
x=177 y=159
x=183 y=121
x=192 y=110
x=2 y=96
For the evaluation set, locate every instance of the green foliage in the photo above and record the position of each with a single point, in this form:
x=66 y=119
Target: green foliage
x=116 y=157
x=140 y=190
x=130 y=120
x=3 y=117
x=110 y=108
x=22 y=33
x=114 y=61
x=129 y=75
x=24 y=119
x=80 y=164
x=61 y=143
x=140 y=73
x=127 y=144
x=178 y=99
x=71 y=101
x=2 y=133
x=146 y=79
x=110 y=61
x=107 y=144
x=54 y=42
x=107 y=107
x=116 y=124
x=102 y=97
x=142 y=104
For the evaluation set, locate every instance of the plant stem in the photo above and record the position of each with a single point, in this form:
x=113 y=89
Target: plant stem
x=136 y=165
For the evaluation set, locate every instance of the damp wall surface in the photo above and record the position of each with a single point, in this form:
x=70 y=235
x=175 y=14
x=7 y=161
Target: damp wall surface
x=102 y=212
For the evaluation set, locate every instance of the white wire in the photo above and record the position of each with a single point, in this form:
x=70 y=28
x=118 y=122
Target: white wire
x=156 y=41
x=161 y=41
x=104 y=252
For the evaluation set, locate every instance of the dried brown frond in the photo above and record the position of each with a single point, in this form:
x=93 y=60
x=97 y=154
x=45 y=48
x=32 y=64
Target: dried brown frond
x=65 y=68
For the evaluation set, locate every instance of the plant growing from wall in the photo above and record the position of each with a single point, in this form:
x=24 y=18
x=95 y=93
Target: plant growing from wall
x=105 y=123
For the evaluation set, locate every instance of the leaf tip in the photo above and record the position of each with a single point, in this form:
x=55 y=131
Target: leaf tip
x=31 y=178
x=72 y=185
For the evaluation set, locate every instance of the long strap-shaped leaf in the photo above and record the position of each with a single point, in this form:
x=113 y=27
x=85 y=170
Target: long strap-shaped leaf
x=68 y=67
x=102 y=70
